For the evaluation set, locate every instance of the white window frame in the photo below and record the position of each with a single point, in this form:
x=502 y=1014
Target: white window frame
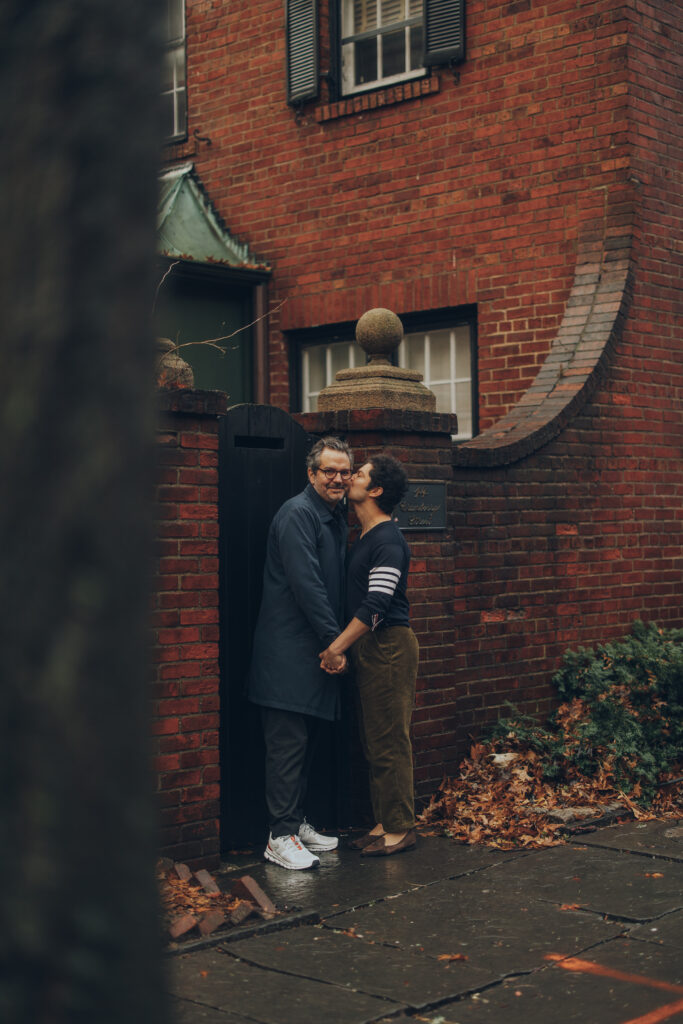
x=453 y=379
x=349 y=39
x=308 y=397
x=176 y=54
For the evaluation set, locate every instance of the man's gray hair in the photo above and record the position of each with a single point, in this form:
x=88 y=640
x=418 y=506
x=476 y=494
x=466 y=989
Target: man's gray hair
x=335 y=443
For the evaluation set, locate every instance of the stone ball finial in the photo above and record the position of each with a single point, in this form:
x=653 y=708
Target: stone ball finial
x=379 y=333
x=379 y=385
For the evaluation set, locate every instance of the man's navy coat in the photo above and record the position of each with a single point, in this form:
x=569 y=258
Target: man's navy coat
x=302 y=608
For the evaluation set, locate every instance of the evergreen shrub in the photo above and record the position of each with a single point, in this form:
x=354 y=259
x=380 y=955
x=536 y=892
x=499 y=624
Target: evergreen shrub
x=621 y=713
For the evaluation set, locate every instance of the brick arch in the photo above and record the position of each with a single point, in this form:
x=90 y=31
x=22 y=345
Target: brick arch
x=577 y=361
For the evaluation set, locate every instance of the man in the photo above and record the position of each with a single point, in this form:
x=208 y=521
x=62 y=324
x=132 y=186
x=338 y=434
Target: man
x=384 y=653
x=301 y=611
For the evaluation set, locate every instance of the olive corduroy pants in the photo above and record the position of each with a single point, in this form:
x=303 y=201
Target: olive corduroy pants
x=385 y=669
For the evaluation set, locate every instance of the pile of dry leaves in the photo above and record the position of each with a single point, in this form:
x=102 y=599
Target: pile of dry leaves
x=502 y=798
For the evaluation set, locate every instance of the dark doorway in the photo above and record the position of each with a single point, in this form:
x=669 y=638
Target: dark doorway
x=262 y=458
x=197 y=304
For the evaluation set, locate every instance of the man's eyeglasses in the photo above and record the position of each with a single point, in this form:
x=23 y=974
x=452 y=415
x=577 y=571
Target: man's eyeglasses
x=330 y=474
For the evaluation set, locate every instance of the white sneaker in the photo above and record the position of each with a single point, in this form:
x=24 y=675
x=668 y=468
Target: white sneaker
x=315 y=841
x=289 y=852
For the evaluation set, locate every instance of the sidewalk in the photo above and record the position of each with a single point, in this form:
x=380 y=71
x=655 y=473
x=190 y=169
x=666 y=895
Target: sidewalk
x=447 y=934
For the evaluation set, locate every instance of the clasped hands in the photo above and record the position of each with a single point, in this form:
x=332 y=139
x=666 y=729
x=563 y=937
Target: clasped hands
x=333 y=664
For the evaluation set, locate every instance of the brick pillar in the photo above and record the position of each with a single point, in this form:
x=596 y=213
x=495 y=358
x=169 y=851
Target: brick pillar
x=422 y=442
x=186 y=678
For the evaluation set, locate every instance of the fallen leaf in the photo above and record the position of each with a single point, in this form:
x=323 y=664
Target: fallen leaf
x=452 y=956
x=181 y=898
x=508 y=809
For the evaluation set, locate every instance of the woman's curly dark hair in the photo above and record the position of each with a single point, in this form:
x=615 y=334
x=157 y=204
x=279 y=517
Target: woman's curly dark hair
x=388 y=473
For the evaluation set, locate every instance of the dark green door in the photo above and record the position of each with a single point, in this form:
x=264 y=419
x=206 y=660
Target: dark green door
x=195 y=306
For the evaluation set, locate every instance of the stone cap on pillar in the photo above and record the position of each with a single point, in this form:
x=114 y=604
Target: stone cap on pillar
x=379 y=385
x=383 y=421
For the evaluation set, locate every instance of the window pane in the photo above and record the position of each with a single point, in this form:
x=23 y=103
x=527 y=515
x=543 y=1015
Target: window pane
x=440 y=355
x=175 y=27
x=463 y=407
x=179 y=57
x=366 y=61
x=393 y=53
x=415 y=47
x=340 y=357
x=181 y=112
x=364 y=15
x=167 y=79
x=443 y=397
x=316 y=367
x=463 y=366
x=392 y=11
x=167 y=115
x=414 y=352
x=391 y=49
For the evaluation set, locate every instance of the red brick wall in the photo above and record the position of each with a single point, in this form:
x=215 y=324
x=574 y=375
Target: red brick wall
x=567 y=544
x=185 y=686
x=559 y=135
x=469 y=194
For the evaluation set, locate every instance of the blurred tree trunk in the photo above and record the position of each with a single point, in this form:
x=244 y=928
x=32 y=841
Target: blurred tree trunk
x=79 y=924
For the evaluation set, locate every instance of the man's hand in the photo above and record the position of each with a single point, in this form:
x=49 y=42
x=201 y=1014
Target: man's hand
x=333 y=664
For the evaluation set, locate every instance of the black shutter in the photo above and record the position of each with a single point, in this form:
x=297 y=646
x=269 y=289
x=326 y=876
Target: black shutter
x=302 y=50
x=444 y=34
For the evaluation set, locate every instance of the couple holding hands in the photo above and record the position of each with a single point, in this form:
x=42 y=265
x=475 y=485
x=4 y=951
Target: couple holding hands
x=310 y=588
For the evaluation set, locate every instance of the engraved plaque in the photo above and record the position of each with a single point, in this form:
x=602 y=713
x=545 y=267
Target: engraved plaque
x=424 y=506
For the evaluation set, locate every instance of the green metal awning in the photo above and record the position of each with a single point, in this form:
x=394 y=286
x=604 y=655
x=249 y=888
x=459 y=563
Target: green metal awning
x=188 y=227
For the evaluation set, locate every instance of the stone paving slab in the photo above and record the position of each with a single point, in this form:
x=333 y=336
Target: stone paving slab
x=624 y=954
x=216 y=980
x=345 y=879
x=604 y=881
x=665 y=931
x=362 y=965
x=579 y=996
x=185 y=1012
x=500 y=931
x=654 y=838
x=503 y=911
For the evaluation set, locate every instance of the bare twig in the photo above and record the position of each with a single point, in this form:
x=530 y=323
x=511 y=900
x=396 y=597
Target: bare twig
x=156 y=294
x=213 y=342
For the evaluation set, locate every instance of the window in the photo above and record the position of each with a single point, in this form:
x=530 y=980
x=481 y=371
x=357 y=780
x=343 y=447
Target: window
x=173 y=87
x=374 y=43
x=444 y=358
x=381 y=43
x=441 y=346
x=319 y=364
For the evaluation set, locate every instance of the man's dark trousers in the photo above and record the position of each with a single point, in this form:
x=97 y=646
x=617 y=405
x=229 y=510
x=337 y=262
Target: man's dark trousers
x=290 y=743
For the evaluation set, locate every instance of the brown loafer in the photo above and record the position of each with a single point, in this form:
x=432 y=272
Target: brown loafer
x=380 y=848
x=363 y=841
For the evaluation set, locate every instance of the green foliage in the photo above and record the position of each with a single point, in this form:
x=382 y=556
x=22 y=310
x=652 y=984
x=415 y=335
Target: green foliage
x=621 y=716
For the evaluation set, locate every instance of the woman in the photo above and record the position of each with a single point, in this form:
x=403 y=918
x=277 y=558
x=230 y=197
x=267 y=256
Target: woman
x=384 y=654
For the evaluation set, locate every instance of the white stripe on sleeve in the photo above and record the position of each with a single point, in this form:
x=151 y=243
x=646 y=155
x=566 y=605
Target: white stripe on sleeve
x=383 y=579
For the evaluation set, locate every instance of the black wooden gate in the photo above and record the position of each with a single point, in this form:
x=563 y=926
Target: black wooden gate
x=261 y=463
